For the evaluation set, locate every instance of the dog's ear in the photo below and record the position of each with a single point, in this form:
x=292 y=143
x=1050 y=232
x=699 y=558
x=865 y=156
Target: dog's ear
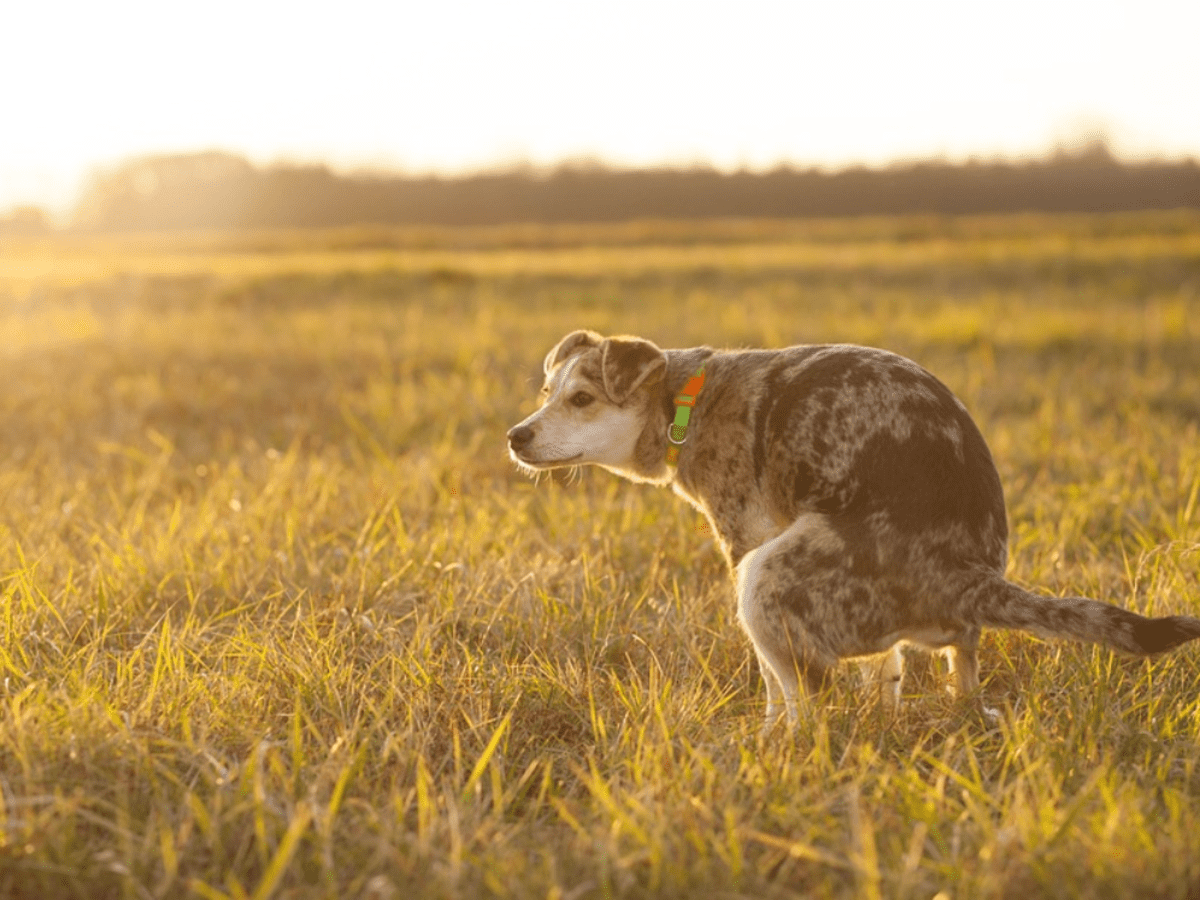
x=626 y=363
x=570 y=345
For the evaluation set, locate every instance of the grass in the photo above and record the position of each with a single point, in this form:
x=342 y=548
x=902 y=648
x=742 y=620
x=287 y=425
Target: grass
x=279 y=619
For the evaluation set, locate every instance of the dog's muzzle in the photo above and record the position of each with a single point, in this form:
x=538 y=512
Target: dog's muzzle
x=519 y=438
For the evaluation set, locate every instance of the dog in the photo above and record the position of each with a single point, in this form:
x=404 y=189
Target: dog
x=852 y=495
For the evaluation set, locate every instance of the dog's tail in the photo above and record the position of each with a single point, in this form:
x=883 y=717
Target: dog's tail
x=997 y=603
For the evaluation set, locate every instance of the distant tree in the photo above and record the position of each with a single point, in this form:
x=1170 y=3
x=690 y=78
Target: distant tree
x=220 y=190
x=25 y=220
x=193 y=190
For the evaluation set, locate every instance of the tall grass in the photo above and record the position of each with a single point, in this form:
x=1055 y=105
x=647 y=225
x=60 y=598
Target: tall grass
x=278 y=618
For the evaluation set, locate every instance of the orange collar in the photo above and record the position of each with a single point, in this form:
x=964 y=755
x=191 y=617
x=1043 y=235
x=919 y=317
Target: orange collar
x=677 y=430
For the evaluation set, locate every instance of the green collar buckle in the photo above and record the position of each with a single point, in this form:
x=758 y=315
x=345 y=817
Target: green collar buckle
x=677 y=430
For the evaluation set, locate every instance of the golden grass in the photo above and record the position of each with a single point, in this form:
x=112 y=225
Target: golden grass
x=45 y=262
x=602 y=250
x=278 y=618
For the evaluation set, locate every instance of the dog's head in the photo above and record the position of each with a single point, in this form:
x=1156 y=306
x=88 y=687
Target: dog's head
x=596 y=404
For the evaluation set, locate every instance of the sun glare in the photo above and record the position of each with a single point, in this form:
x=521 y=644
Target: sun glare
x=449 y=87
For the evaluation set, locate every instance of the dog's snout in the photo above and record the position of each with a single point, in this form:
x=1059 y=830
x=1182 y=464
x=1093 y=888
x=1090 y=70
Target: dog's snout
x=520 y=436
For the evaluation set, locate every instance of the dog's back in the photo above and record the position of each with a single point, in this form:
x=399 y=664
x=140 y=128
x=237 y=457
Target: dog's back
x=868 y=439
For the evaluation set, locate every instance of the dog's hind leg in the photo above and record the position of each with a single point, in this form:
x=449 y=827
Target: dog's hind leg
x=771 y=606
x=775 y=704
x=768 y=632
x=964 y=662
x=885 y=672
x=963 y=657
x=784 y=665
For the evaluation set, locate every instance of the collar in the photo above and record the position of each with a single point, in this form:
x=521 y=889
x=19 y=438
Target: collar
x=684 y=401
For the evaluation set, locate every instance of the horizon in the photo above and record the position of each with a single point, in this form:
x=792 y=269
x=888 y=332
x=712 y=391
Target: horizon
x=469 y=88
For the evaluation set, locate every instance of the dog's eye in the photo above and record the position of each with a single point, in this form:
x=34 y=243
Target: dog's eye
x=581 y=399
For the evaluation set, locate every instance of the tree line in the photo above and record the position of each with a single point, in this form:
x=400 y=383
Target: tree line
x=221 y=190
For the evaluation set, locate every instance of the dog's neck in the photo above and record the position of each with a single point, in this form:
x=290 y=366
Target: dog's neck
x=681 y=365
x=649 y=462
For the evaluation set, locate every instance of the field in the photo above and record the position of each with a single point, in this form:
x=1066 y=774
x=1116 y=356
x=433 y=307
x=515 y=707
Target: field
x=278 y=618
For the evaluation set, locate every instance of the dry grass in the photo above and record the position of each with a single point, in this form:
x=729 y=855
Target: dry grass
x=278 y=618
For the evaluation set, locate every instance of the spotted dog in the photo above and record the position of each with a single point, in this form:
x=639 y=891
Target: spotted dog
x=852 y=495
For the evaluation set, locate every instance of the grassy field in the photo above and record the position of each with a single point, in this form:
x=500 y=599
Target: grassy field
x=279 y=619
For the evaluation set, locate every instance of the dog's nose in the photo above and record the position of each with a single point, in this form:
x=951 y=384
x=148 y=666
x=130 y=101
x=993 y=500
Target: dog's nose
x=520 y=436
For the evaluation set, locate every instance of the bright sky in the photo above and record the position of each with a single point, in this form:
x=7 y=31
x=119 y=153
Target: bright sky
x=457 y=84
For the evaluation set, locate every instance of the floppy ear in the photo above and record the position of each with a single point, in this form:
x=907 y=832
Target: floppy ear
x=626 y=363
x=570 y=345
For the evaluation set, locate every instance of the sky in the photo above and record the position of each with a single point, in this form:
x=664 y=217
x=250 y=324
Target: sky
x=446 y=86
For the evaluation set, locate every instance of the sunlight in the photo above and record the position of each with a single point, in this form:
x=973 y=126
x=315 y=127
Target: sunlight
x=449 y=87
